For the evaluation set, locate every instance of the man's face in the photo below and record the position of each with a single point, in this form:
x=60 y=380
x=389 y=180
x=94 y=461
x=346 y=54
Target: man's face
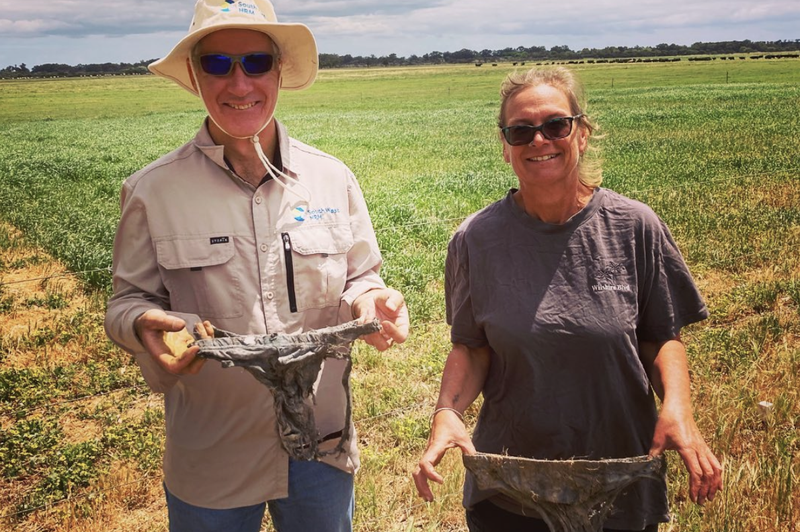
x=237 y=102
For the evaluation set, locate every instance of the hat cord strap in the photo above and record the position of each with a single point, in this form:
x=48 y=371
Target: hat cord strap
x=304 y=195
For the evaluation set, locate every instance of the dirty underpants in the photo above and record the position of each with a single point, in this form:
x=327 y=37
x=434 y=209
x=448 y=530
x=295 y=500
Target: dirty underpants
x=289 y=364
x=570 y=495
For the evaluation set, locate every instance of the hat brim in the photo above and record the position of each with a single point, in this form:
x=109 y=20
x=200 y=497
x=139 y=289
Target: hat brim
x=298 y=49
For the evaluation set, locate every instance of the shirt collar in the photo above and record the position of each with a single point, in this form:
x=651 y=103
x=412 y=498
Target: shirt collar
x=215 y=152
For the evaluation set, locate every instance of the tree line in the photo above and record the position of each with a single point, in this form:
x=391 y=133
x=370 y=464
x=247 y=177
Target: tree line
x=465 y=55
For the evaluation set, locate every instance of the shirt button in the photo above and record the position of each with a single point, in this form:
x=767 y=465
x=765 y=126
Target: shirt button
x=270 y=295
x=264 y=248
x=258 y=200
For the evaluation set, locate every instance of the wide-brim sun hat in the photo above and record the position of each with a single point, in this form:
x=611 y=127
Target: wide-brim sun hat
x=295 y=42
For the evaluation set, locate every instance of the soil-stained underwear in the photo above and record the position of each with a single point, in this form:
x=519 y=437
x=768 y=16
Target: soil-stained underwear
x=570 y=495
x=288 y=364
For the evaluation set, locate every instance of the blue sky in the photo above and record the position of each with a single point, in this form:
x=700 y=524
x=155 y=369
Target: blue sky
x=81 y=31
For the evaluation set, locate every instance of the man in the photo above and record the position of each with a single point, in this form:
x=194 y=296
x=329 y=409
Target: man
x=256 y=233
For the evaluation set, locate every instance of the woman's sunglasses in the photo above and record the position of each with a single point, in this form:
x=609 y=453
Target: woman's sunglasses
x=222 y=64
x=554 y=129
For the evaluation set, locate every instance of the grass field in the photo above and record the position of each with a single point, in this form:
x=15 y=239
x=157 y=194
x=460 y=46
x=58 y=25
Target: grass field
x=712 y=147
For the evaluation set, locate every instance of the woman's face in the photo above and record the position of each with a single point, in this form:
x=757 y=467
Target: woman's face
x=543 y=161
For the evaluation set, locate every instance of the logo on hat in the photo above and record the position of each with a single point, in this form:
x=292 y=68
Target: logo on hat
x=226 y=9
x=301 y=211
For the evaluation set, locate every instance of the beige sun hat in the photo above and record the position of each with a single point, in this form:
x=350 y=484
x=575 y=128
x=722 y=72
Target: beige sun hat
x=298 y=49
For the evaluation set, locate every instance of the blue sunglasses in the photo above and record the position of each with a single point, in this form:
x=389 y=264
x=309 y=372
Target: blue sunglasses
x=221 y=64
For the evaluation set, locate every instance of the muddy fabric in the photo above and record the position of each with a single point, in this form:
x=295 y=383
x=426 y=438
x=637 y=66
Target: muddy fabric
x=570 y=495
x=289 y=365
x=563 y=308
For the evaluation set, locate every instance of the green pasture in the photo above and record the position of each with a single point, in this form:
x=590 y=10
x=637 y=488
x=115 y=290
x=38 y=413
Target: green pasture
x=711 y=146
x=422 y=142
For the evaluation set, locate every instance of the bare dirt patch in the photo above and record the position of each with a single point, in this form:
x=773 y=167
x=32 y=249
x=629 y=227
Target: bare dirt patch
x=36 y=292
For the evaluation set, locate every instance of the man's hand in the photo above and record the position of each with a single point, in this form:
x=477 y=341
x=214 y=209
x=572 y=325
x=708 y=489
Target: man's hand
x=165 y=337
x=389 y=306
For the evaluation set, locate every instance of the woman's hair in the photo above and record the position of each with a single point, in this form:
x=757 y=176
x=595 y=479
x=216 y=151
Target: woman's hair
x=590 y=167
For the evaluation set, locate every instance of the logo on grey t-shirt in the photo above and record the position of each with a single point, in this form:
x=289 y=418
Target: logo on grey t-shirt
x=607 y=279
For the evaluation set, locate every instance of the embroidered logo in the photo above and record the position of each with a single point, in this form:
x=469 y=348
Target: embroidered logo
x=607 y=279
x=245 y=8
x=301 y=214
x=219 y=240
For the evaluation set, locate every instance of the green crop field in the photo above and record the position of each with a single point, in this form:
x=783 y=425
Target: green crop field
x=711 y=146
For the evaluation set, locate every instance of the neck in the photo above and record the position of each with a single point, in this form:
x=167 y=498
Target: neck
x=241 y=153
x=555 y=204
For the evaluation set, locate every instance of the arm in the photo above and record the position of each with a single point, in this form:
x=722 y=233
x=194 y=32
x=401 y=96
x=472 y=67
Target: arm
x=462 y=380
x=668 y=370
x=365 y=296
x=136 y=318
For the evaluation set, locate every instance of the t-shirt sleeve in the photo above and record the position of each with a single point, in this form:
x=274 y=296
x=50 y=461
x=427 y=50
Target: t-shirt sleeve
x=669 y=298
x=460 y=314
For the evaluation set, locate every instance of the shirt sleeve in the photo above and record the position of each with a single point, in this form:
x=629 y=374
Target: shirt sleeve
x=364 y=257
x=669 y=298
x=464 y=328
x=137 y=288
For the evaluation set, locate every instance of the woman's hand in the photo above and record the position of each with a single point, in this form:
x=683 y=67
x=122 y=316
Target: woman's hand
x=447 y=432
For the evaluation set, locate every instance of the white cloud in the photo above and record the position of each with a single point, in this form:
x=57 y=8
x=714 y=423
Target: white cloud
x=364 y=27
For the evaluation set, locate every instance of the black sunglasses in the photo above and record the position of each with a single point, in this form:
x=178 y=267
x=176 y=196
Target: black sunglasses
x=222 y=64
x=553 y=129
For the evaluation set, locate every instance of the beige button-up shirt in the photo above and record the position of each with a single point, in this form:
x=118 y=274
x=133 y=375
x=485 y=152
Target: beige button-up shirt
x=197 y=241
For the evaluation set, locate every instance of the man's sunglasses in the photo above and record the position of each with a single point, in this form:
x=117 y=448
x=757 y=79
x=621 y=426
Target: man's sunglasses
x=222 y=64
x=553 y=129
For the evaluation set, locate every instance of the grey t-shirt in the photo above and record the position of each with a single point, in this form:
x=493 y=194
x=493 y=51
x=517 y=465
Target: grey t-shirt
x=563 y=308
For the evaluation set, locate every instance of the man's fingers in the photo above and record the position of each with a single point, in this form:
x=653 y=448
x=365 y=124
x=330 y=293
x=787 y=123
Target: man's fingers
x=378 y=341
x=158 y=320
x=394 y=300
x=398 y=334
x=204 y=329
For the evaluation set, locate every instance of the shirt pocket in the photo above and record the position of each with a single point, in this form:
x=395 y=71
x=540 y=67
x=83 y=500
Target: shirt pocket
x=202 y=278
x=315 y=259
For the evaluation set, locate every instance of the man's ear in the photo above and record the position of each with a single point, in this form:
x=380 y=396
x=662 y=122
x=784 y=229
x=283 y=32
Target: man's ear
x=191 y=73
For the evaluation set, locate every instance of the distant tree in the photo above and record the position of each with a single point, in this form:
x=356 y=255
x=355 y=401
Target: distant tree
x=562 y=52
x=465 y=55
x=329 y=61
x=434 y=57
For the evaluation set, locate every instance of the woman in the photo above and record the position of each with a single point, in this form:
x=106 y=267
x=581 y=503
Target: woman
x=566 y=302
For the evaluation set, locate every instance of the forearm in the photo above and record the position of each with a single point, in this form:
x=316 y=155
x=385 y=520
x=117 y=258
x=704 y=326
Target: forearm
x=676 y=429
x=464 y=375
x=667 y=366
x=364 y=257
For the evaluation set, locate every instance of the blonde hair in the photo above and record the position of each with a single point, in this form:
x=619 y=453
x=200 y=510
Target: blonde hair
x=560 y=78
